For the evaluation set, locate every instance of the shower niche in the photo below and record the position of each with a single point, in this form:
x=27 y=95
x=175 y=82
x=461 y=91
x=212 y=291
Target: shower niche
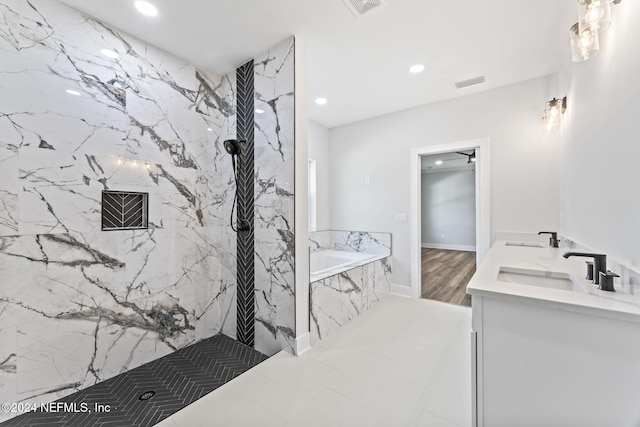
x=124 y=210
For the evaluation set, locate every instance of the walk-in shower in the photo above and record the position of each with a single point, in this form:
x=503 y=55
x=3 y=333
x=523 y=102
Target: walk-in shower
x=233 y=147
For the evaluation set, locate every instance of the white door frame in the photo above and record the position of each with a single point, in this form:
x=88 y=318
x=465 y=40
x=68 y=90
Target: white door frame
x=483 y=201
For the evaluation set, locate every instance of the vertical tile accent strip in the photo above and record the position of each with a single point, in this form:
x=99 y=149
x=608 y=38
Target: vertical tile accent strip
x=245 y=254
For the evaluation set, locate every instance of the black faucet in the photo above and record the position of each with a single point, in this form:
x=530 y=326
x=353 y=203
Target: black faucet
x=599 y=263
x=606 y=281
x=553 y=240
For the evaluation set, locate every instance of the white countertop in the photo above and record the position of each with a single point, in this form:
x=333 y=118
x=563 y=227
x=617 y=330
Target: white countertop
x=620 y=304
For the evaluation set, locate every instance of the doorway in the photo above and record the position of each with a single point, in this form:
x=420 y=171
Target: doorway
x=448 y=225
x=482 y=200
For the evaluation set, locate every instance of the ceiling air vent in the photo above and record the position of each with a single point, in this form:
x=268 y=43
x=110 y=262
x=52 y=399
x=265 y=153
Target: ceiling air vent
x=360 y=7
x=470 y=82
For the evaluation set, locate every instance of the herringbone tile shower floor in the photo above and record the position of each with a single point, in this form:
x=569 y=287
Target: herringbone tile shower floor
x=177 y=379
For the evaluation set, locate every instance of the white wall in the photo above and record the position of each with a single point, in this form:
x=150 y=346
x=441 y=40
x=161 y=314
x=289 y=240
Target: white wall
x=448 y=202
x=600 y=196
x=319 y=151
x=524 y=162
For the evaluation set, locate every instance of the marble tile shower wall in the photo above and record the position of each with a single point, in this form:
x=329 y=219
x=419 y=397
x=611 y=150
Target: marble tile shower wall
x=274 y=199
x=78 y=305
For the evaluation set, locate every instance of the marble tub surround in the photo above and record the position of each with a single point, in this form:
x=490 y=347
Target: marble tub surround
x=323 y=273
x=77 y=305
x=340 y=298
x=343 y=293
x=350 y=241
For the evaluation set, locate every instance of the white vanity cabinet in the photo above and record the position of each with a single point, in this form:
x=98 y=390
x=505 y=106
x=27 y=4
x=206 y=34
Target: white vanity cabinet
x=547 y=357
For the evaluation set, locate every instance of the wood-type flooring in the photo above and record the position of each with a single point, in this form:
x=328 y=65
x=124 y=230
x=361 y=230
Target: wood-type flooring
x=445 y=275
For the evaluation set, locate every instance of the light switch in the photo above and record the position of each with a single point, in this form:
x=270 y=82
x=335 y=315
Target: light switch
x=367 y=179
x=402 y=217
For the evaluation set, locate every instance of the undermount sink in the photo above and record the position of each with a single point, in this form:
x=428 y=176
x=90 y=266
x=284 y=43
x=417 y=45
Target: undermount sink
x=539 y=278
x=525 y=244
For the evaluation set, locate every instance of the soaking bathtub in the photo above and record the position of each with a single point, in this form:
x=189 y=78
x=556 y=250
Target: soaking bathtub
x=330 y=262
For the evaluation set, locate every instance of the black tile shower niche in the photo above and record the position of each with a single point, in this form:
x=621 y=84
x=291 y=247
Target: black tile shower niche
x=124 y=210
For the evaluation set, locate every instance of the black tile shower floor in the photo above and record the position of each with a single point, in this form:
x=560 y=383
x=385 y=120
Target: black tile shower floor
x=177 y=380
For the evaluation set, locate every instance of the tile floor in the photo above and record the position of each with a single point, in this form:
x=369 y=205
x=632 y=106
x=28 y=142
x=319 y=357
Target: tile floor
x=405 y=362
x=177 y=380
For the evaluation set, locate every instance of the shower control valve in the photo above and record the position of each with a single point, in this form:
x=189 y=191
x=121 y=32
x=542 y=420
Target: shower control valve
x=243 y=225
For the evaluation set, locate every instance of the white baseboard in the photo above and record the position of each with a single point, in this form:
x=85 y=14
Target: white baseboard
x=303 y=344
x=403 y=291
x=449 y=247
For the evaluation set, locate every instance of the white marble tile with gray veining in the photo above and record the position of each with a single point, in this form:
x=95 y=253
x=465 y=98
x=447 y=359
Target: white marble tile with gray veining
x=96 y=309
x=338 y=299
x=362 y=241
x=86 y=305
x=274 y=290
x=145 y=104
x=9 y=189
x=274 y=138
x=228 y=289
x=8 y=366
x=198 y=282
x=350 y=241
x=61 y=191
x=274 y=199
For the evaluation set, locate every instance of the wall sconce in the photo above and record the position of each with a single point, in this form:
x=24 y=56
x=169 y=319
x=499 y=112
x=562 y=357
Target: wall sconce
x=553 y=113
x=594 y=17
x=584 y=44
x=594 y=14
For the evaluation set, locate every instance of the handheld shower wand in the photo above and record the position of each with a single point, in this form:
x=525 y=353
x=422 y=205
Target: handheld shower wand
x=232 y=146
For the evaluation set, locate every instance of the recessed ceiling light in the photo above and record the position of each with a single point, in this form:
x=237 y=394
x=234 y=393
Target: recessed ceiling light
x=438 y=162
x=321 y=101
x=146 y=8
x=73 y=92
x=109 y=53
x=418 y=68
x=259 y=111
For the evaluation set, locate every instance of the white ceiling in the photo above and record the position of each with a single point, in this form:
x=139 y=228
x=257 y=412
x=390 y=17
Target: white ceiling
x=361 y=64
